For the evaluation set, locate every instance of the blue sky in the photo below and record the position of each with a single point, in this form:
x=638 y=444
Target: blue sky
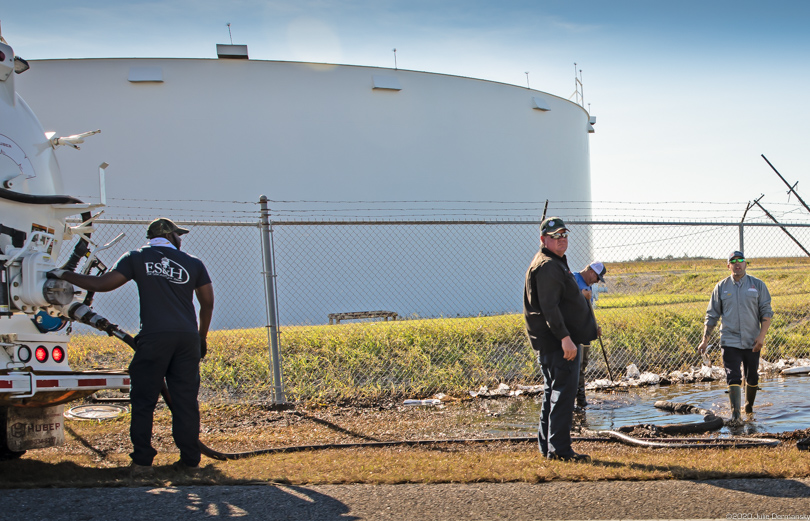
x=687 y=94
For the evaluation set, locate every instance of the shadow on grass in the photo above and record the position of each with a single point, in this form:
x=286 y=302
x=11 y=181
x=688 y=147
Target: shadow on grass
x=31 y=473
x=102 y=454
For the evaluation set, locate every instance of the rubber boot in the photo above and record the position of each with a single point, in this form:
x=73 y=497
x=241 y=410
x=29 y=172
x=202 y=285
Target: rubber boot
x=582 y=402
x=735 y=397
x=750 y=396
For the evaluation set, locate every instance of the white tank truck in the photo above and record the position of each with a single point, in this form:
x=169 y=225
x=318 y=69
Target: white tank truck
x=35 y=312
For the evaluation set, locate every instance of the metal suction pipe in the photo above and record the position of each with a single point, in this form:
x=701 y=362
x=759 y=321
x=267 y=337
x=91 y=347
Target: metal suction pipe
x=82 y=313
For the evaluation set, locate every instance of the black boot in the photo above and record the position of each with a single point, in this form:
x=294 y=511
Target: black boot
x=750 y=396
x=735 y=397
x=581 y=401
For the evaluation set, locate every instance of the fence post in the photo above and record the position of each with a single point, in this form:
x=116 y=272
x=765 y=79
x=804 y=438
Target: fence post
x=742 y=239
x=270 y=295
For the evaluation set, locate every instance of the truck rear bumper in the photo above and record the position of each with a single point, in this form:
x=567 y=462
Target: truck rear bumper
x=30 y=389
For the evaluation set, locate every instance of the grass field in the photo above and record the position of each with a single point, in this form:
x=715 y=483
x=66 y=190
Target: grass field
x=651 y=315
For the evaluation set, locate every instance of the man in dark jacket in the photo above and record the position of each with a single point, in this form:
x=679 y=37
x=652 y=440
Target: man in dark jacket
x=558 y=320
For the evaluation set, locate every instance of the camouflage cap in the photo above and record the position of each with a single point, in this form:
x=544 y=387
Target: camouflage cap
x=163 y=226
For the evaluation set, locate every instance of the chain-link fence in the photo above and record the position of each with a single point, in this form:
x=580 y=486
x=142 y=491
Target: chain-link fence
x=454 y=290
x=239 y=365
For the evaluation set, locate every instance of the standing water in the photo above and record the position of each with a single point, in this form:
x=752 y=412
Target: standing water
x=782 y=405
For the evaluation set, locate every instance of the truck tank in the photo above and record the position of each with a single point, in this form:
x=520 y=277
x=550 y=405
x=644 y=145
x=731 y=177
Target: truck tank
x=35 y=374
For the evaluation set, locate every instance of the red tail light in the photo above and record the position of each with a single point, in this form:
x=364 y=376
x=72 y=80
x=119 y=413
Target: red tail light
x=58 y=354
x=41 y=354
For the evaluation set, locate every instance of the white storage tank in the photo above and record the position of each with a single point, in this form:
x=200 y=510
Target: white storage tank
x=234 y=129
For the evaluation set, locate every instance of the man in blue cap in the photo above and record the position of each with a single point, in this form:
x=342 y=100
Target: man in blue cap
x=593 y=273
x=743 y=304
x=558 y=320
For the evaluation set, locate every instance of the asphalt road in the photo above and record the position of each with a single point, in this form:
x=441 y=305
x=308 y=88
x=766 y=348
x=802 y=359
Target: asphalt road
x=710 y=499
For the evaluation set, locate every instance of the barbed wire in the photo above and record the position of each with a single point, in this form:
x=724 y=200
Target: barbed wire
x=308 y=209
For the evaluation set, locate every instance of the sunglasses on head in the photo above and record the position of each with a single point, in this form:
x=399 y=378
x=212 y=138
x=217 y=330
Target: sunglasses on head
x=733 y=261
x=560 y=235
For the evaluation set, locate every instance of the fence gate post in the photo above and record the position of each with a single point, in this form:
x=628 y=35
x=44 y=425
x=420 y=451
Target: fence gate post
x=270 y=295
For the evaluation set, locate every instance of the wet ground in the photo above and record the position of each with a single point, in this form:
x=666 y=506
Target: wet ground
x=782 y=405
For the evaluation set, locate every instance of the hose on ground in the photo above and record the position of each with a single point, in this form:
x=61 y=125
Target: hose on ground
x=711 y=422
x=692 y=443
x=604 y=436
x=365 y=444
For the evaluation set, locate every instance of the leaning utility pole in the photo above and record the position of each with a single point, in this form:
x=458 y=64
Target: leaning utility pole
x=756 y=202
x=791 y=189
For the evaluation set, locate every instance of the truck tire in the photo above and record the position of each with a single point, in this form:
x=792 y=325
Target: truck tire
x=6 y=453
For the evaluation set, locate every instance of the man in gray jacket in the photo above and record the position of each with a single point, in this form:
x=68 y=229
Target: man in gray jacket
x=743 y=304
x=558 y=321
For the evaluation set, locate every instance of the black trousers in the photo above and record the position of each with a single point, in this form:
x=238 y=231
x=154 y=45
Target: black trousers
x=733 y=358
x=560 y=382
x=175 y=357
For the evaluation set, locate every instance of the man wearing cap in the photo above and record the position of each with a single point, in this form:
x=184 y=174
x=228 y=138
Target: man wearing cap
x=170 y=342
x=743 y=304
x=558 y=320
x=593 y=273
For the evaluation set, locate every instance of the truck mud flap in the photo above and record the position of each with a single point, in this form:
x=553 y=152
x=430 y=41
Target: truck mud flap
x=34 y=428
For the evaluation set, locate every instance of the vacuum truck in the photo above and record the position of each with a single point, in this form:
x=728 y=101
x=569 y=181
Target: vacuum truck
x=36 y=313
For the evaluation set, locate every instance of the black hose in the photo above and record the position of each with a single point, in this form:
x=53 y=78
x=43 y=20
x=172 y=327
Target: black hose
x=365 y=444
x=607 y=436
x=379 y=444
x=710 y=423
x=18 y=197
x=79 y=251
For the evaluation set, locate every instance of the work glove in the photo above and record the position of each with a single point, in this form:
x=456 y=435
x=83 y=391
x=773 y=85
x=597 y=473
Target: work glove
x=55 y=273
x=203 y=347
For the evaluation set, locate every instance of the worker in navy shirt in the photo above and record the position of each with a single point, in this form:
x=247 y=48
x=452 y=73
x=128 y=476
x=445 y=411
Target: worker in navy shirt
x=170 y=343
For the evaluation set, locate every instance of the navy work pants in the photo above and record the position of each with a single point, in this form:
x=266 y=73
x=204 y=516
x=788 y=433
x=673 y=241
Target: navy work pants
x=175 y=357
x=733 y=358
x=560 y=382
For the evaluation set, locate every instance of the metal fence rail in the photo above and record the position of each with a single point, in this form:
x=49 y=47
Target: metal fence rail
x=456 y=289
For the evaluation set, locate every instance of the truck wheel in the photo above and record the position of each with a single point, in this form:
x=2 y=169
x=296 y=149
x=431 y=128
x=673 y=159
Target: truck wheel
x=6 y=453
